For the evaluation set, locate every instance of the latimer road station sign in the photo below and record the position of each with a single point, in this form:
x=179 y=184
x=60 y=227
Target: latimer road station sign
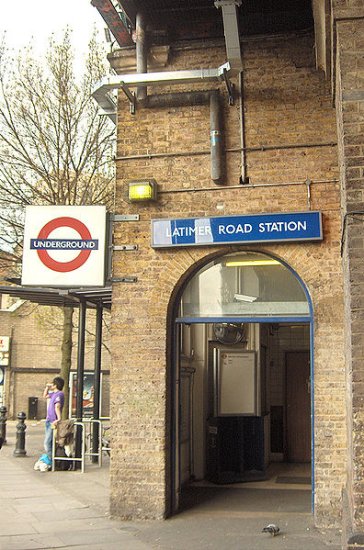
x=255 y=228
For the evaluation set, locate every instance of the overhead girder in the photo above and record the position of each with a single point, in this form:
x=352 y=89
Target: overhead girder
x=114 y=21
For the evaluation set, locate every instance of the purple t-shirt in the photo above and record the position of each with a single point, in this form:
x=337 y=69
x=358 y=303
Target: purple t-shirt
x=55 y=397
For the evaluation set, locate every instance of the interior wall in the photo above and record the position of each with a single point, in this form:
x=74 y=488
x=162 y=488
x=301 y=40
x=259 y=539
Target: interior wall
x=278 y=339
x=282 y=338
x=194 y=348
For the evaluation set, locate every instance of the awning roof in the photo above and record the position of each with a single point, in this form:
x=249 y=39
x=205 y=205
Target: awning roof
x=188 y=19
x=63 y=297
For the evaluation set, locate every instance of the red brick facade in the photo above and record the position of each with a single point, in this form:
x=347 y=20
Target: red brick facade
x=287 y=107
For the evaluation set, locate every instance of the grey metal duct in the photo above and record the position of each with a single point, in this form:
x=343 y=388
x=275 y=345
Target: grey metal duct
x=125 y=81
x=102 y=91
x=231 y=32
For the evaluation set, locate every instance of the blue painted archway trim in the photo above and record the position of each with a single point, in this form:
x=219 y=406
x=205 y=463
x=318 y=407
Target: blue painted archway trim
x=244 y=319
x=304 y=319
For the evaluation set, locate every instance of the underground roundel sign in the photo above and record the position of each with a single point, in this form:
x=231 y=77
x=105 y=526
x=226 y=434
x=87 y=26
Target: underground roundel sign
x=64 y=246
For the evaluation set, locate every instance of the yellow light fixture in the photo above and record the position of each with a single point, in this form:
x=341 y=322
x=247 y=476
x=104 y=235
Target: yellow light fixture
x=247 y=263
x=142 y=190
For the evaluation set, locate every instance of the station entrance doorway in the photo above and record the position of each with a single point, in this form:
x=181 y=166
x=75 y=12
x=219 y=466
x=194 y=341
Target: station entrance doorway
x=242 y=415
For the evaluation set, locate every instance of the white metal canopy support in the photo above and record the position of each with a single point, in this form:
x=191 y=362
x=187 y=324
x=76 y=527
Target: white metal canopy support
x=124 y=82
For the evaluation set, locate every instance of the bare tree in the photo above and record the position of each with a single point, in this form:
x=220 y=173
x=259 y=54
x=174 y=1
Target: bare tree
x=55 y=149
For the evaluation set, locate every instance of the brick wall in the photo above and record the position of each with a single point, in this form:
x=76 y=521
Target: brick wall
x=36 y=337
x=350 y=110
x=286 y=102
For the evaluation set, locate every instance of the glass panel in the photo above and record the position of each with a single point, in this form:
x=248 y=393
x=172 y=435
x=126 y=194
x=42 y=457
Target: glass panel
x=246 y=284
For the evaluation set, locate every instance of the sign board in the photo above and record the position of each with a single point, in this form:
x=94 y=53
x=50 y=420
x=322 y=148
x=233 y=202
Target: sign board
x=64 y=246
x=88 y=394
x=2 y=379
x=253 y=228
x=4 y=350
x=4 y=343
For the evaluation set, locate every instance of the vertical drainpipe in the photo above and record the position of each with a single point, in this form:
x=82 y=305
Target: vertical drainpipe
x=215 y=139
x=198 y=98
x=244 y=175
x=141 y=53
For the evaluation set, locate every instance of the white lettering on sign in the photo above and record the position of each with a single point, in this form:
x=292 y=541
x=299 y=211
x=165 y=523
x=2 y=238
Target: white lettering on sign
x=271 y=227
x=201 y=231
x=235 y=229
x=72 y=244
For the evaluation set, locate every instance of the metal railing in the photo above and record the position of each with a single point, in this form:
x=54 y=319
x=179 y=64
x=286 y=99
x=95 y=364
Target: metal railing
x=88 y=433
x=80 y=459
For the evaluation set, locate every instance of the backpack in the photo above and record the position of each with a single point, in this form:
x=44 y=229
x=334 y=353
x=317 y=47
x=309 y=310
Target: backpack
x=62 y=465
x=64 y=442
x=65 y=433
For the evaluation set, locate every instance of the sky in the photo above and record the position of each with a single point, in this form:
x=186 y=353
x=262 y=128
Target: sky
x=26 y=21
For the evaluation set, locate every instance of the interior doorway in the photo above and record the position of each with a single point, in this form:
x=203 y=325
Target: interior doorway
x=242 y=416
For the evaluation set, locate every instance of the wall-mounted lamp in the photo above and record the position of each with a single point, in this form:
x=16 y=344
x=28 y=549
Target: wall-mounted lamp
x=142 y=190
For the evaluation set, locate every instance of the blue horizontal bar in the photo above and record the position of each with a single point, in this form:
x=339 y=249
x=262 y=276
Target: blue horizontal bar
x=274 y=319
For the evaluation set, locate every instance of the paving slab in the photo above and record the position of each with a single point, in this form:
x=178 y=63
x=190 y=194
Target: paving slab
x=70 y=510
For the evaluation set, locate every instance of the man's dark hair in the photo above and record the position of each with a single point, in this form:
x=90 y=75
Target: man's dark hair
x=59 y=382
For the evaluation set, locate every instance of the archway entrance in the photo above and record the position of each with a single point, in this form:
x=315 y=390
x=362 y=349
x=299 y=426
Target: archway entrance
x=243 y=385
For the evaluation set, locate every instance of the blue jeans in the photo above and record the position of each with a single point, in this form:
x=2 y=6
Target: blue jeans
x=48 y=439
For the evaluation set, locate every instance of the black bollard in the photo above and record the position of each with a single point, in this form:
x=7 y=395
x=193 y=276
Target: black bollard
x=20 y=435
x=3 y=411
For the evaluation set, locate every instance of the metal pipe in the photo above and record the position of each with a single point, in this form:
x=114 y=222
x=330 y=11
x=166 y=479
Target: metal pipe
x=97 y=385
x=141 y=53
x=80 y=359
x=197 y=98
x=178 y=99
x=244 y=179
x=250 y=186
x=308 y=184
x=288 y=146
x=80 y=373
x=262 y=149
x=162 y=155
x=98 y=347
x=215 y=139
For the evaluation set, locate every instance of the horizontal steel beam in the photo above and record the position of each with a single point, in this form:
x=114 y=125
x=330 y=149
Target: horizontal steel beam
x=102 y=95
x=106 y=102
x=167 y=77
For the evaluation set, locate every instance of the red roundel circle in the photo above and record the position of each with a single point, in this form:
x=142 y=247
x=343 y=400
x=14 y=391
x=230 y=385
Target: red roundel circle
x=81 y=258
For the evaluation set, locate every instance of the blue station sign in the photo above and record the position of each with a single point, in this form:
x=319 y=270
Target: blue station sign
x=254 y=228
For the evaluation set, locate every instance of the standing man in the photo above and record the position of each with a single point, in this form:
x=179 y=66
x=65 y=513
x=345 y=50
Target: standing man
x=53 y=392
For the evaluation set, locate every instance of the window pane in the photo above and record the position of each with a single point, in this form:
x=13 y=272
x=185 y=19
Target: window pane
x=244 y=284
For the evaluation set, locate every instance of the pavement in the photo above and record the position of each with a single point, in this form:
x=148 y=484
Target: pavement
x=44 y=510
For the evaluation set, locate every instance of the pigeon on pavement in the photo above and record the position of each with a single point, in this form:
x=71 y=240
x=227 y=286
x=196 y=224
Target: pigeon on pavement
x=272 y=529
